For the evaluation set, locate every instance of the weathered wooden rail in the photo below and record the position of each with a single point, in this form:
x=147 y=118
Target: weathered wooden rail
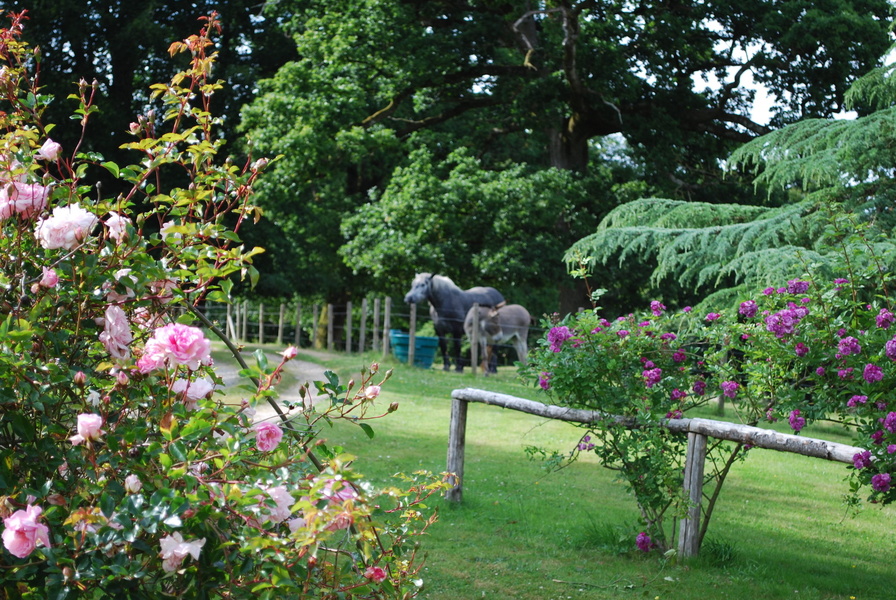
x=697 y=431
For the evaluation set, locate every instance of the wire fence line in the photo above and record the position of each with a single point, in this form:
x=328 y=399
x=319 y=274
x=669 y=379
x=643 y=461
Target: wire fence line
x=349 y=327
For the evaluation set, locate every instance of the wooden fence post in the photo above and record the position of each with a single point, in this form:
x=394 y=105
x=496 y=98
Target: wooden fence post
x=315 y=314
x=474 y=340
x=261 y=322
x=330 y=327
x=245 y=320
x=376 y=324
x=362 y=338
x=457 y=435
x=298 y=338
x=230 y=329
x=387 y=323
x=412 y=337
x=280 y=324
x=689 y=532
x=347 y=328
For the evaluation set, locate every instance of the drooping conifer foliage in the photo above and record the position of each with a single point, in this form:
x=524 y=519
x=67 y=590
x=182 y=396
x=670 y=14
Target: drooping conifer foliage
x=829 y=168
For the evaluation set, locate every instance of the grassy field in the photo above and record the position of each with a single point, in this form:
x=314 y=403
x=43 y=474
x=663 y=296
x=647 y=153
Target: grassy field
x=780 y=529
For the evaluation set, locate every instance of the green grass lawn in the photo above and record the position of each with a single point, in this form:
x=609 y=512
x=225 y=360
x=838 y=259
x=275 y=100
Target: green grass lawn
x=780 y=529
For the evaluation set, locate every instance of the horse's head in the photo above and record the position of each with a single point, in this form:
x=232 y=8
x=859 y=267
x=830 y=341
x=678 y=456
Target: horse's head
x=421 y=288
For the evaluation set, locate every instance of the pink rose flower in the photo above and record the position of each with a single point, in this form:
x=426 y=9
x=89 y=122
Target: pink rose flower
x=290 y=353
x=89 y=428
x=22 y=531
x=116 y=335
x=24 y=199
x=175 y=549
x=283 y=502
x=267 y=436
x=175 y=344
x=67 y=227
x=132 y=484
x=192 y=392
x=118 y=226
x=49 y=151
x=372 y=391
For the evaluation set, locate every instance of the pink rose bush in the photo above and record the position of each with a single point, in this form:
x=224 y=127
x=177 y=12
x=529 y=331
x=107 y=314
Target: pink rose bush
x=130 y=477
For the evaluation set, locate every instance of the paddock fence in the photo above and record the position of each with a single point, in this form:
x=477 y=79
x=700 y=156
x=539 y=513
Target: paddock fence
x=697 y=430
x=351 y=327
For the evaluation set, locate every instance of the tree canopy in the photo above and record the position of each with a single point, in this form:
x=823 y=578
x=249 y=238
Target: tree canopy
x=534 y=84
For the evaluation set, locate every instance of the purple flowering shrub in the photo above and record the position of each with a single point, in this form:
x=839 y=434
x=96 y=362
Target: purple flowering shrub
x=813 y=349
x=123 y=473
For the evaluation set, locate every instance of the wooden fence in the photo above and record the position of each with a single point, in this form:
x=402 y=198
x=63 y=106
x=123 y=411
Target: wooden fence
x=697 y=430
x=352 y=327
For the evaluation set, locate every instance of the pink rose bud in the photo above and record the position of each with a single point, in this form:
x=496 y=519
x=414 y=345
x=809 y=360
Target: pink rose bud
x=122 y=380
x=290 y=353
x=50 y=278
x=393 y=407
x=372 y=391
x=89 y=428
x=80 y=379
x=267 y=436
x=132 y=484
x=49 y=151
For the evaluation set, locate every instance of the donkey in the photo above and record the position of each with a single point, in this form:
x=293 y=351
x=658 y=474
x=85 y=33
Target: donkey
x=449 y=306
x=499 y=325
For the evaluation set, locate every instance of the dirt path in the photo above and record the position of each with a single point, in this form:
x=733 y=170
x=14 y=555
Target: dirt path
x=302 y=370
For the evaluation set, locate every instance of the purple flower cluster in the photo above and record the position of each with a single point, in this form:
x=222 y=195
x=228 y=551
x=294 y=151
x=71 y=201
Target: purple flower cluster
x=796 y=421
x=729 y=388
x=856 y=400
x=885 y=319
x=677 y=394
x=585 y=444
x=801 y=349
x=699 y=387
x=668 y=336
x=795 y=286
x=643 y=542
x=890 y=422
x=713 y=317
x=544 y=380
x=652 y=376
x=848 y=345
x=679 y=356
x=890 y=349
x=748 y=309
x=657 y=308
x=881 y=482
x=558 y=335
x=784 y=322
x=872 y=373
x=860 y=460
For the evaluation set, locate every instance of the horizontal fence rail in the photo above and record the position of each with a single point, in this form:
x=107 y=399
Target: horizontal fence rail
x=697 y=431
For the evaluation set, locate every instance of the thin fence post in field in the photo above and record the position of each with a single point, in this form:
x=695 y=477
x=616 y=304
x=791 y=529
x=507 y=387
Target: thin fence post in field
x=376 y=324
x=298 y=338
x=474 y=340
x=387 y=323
x=231 y=333
x=412 y=337
x=261 y=322
x=244 y=336
x=280 y=324
x=348 y=326
x=362 y=338
x=330 y=327
x=689 y=532
x=457 y=435
x=315 y=314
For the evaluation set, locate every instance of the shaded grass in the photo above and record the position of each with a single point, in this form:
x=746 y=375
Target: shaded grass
x=780 y=529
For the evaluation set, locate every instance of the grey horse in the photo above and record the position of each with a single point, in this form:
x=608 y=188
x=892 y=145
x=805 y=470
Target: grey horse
x=449 y=306
x=497 y=326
